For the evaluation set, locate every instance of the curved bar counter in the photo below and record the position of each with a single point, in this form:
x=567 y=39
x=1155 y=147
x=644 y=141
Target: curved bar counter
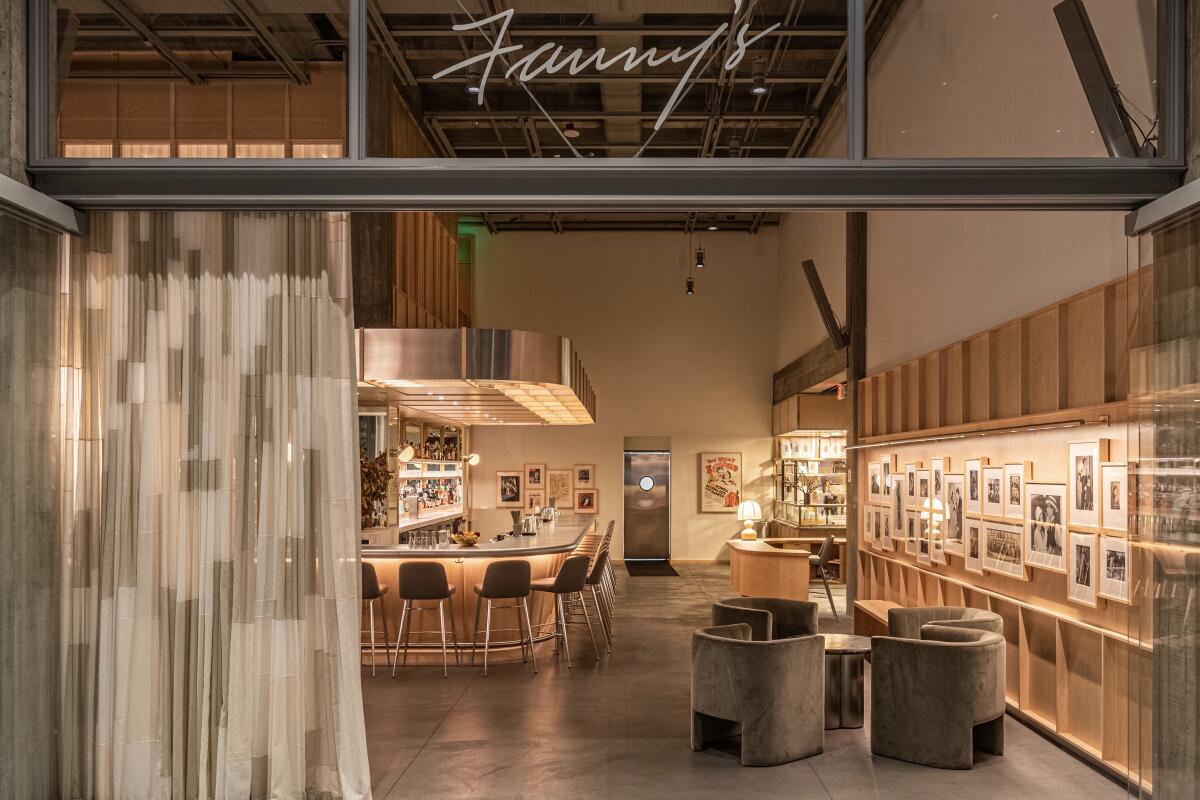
x=465 y=566
x=759 y=569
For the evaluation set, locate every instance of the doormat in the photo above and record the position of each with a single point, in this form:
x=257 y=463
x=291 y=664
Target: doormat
x=650 y=569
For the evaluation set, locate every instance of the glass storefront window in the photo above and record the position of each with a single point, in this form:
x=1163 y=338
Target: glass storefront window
x=954 y=79
x=197 y=78
x=779 y=98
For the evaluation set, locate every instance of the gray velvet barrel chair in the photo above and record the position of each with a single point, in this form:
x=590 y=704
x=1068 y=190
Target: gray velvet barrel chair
x=906 y=623
x=771 y=692
x=936 y=698
x=768 y=617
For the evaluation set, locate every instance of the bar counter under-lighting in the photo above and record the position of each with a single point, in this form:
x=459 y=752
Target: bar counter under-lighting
x=545 y=552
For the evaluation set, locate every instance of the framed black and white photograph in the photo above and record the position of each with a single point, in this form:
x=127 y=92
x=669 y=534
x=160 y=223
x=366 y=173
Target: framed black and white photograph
x=1083 y=461
x=1045 y=526
x=884 y=538
x=1002 y=549
x=1015 y=476
x=887 y=466
x=535 y=476
x=910 y=484
x=1115 y=568
x=973 y=476
x=910 y=531
x=1114 y=496
x=937 y=471
x=897 y=500
x=954 y=514
x=868 y=524
x=585 y=476
x=973 y=548
x=937 y=544
x=508 y=490
x=924 y=485
x=1081 y=568
x=993 y=491
x=874 y=482
x=879 y=514
x=923 y=541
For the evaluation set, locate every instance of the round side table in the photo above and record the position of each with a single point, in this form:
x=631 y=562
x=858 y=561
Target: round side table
x=844 y=657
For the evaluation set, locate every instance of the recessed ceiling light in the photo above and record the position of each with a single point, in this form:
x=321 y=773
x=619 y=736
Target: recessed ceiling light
x=570 y=131
x=713 y=228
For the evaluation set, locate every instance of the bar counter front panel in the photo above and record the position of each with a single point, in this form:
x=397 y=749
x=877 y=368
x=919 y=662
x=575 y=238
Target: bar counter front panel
x=465 y=566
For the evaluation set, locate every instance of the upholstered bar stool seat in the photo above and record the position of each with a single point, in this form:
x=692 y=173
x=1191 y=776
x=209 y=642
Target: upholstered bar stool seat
x=425 y=581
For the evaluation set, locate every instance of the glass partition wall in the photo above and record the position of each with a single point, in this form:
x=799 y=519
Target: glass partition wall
x=1164 y=441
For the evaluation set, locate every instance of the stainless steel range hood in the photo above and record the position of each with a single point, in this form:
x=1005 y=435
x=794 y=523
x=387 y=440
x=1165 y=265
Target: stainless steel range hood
x=479 y=376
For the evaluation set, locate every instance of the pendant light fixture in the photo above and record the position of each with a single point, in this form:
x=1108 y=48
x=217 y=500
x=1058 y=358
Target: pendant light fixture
x=699 y=258
x=758 y=86
x=570 y=131
x=474 y=81
x=735 y=146
x=691 y=286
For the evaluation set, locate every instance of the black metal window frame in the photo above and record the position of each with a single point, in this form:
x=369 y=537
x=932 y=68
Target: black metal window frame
x=642 y=184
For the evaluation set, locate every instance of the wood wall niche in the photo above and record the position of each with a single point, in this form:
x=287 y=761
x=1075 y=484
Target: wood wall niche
x=1068 y=357
x=426 y=286
x=1079 y=673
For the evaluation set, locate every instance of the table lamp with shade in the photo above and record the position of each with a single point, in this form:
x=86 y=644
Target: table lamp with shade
x=749 y=512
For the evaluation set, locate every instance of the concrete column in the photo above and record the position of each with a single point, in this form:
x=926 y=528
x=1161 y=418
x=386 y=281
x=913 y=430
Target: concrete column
x=29 y=512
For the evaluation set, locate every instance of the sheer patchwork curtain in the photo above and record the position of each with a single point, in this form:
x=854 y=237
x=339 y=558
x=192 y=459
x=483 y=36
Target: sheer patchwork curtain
x=210 y=568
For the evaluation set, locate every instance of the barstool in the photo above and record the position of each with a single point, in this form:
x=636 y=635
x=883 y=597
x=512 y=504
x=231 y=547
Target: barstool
x=569 y=582
x=595 y=580
x=822 y=561
x=372 y=590
x=425 y=580
x=504 y=580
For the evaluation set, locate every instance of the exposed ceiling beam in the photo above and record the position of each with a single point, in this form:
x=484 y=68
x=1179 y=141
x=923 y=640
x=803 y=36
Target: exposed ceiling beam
x=256 y=23
x=131 y=18
x=391 y=50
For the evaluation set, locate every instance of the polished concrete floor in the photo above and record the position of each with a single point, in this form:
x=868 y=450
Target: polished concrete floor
x=619 y=728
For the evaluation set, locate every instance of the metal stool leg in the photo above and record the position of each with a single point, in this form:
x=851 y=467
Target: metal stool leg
x=562 y=621
x=829 y=594
x=588 y=619
x=408 y=632
x=387 y=636
x=454 y=635
x=521 y=633
x=475 y=634
x=529 y=627
x=603 y=616
x=371 y=615
x=400 y=636
x=487 y=638
x=442 y=625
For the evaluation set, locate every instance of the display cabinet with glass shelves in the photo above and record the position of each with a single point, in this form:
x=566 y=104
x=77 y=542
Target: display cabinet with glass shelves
x=810 y=480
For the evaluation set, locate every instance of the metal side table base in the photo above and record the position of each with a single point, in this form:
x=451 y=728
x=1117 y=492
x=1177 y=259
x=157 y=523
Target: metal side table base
x=844 y=660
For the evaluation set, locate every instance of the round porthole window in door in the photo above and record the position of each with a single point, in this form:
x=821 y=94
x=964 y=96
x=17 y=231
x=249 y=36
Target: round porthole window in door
x=647 y=483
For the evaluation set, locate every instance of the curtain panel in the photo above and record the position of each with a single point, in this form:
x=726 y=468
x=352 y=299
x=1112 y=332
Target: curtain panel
x=210 y=572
